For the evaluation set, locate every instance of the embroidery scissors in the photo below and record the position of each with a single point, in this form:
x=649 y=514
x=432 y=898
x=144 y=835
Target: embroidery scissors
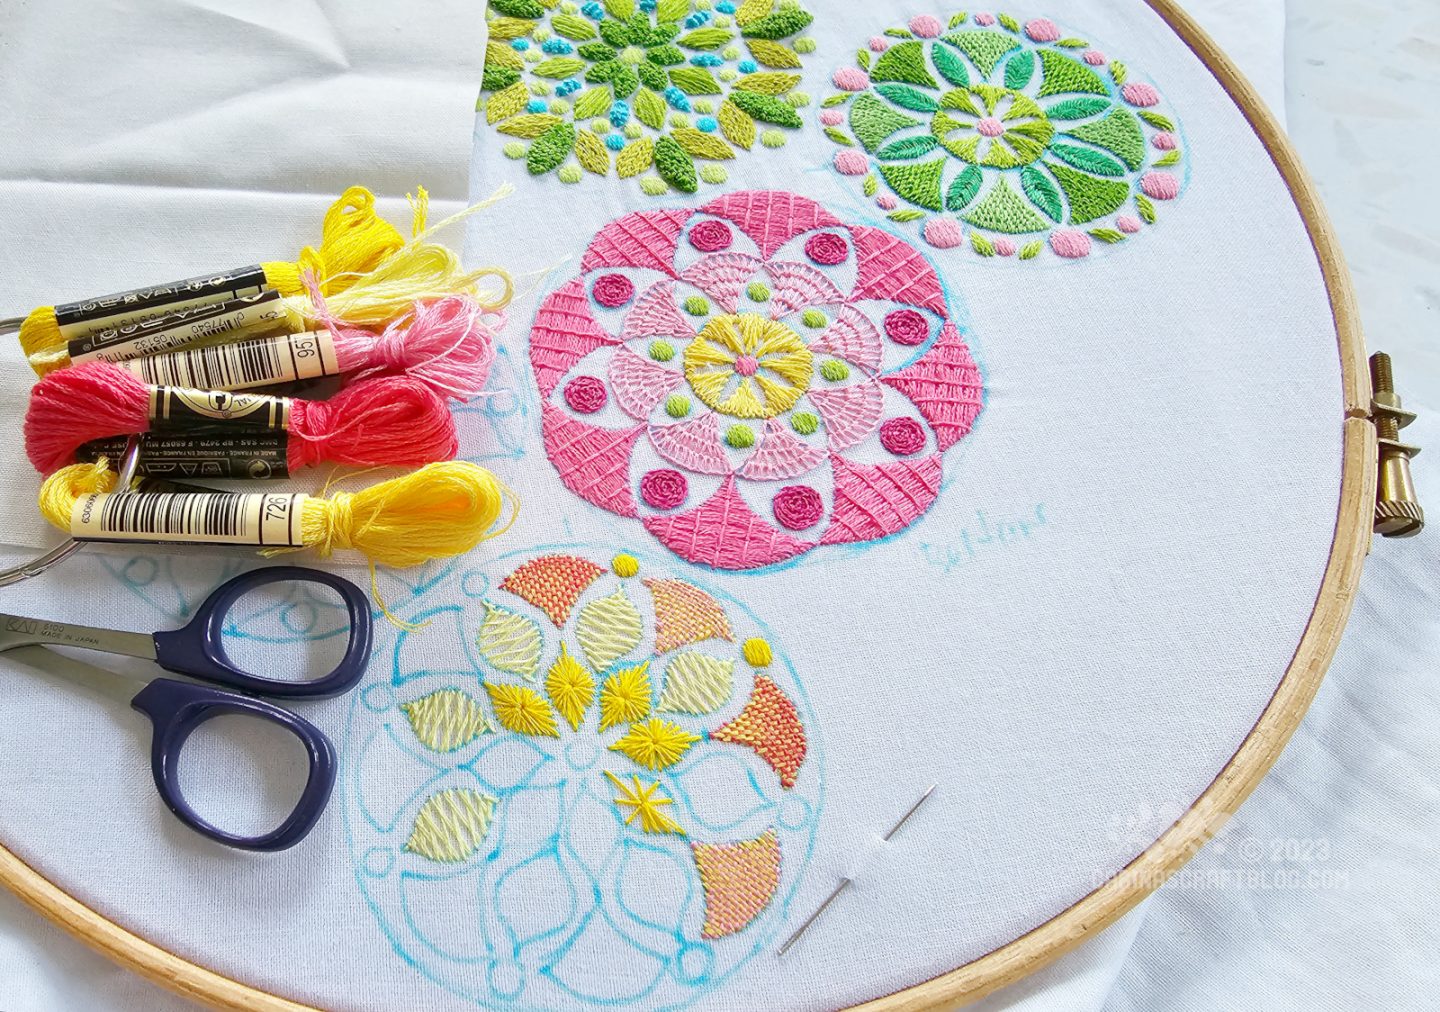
x=177 y=708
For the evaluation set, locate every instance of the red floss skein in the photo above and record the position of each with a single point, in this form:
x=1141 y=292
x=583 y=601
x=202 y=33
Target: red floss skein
x=446 y=343
x=389 y=421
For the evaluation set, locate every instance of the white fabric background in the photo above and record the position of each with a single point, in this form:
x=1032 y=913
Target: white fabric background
x=49 y=989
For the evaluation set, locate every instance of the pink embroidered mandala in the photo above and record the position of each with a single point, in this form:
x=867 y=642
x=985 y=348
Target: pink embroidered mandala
x=770 y=378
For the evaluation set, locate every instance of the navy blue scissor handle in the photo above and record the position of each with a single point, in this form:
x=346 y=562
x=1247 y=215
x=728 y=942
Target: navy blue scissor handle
x=198 y=649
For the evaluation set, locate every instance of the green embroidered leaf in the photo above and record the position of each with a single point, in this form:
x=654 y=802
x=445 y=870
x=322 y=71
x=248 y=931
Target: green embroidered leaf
x=899 y=33
x=1005 y=211
x=451 y=825
x=752 y=10
x=956 y=20
x=518 y=8
x=661 y=34
x=1119 y=71
x=908 y=147
x=559 y=67
x=650 y=109
x=907 y=97
x=862 y=59
x=695 y=81
x=951 y=67
x=1087 y=160
x=676 y=167
x=652 y=77
x=766 y=109
x=982 y=245
x=592 y=103
x=870 y=185
x=549 y=149
x=505 y=29
x=665 y=56
x=774 y=55
x=1119 y=133
x=507 y=102
x=1157 y=121
x=1062 y=74
x=906 y=214
x=985 y=48
x=622 y=9
x=708 y=37
x=617 y=33
x=1077 y=108
x=1170 y=158
x=768 y=82
x=1042 y=193
x=1146 y=208
x=529 y=125
x=839 y=136
x=573 y=27
x=904 y=63
x=591 y=153
x=702 y=145
x=597 y=52
x=871 y=120
x=963 y=188
x=917 y=182
x=1019 y=69
x=1108 y=235
x=835 y=100
x=1089 y=197
x=1008 y=22
x=494 y=78
x=671 y=10
x=1031 y=250
x=737 y=126
x=497 y=55
x=782 y=23
x=1072 y=43
x=635 y=158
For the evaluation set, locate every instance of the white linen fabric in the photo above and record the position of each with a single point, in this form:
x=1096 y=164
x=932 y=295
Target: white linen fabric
x=169 y=889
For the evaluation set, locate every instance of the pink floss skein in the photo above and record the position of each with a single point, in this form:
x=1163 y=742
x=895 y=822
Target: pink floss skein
x=387 y=421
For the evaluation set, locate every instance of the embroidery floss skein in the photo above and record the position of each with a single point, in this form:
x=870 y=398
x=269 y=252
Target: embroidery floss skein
x=439 y=511
x=353 y=240
x=389 y=421
x=419 y=271
x=445 y=344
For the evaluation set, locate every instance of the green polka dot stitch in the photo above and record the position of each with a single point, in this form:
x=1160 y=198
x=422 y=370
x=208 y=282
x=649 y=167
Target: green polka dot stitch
x=641 y=71
x=805 y=423
x=1006 y=138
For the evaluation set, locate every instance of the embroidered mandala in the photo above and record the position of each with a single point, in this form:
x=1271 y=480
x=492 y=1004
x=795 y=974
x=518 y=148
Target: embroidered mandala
x=618 y=769
x=775 y=379
x=1009 y=137
x=666 y=90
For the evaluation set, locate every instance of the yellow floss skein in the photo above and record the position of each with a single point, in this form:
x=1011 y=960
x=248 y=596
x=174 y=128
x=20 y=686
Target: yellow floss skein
x=438 y=511
x=353 y=240
x=419 y=271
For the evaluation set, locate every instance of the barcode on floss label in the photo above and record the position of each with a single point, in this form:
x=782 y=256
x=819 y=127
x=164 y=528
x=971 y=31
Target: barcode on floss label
x=221 y=518
x=258 y=362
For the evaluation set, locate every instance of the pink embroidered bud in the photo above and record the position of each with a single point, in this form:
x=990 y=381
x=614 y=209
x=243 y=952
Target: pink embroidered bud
x=851 y=79
x=826 y=249
x=798 y=507
x=985 y=19
x=1094 y=57
x=907 y=327
x=664 y=488
x=879 y=43
x=711 y=236
x=849 y=162
x=902 y=436
x=832 y=117
x=1128 y=223
x=1003 y=247
x=1160 y=185
x=1070 y=243
x=990 y=127
x=612 y=290
x=926 y=26
x=1042 y=30
x=944 y=233
x=1141 y=94
x=1164 y=141
x=586 y=394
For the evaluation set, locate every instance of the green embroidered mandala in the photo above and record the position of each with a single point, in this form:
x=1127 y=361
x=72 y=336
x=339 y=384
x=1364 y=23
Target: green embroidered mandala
x=1010 y=137
x=663 y=90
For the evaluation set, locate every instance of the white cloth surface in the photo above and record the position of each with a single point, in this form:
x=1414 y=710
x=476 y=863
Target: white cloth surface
x=53 y=972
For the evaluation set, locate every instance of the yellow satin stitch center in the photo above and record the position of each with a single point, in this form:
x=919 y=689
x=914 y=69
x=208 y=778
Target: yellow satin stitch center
x=748 y=366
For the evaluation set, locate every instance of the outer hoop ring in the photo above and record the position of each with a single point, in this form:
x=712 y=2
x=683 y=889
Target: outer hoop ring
x=1234 y=783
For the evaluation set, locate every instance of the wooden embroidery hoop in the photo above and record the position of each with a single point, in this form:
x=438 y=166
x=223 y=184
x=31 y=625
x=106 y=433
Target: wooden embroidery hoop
x=1221 y=799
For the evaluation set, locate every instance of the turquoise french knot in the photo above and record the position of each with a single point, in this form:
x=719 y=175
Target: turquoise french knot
x=706 y=123
x=677 y=99
x=725 y=7
x=595 y=10
x=536 y=105
x=567 y=87
x=557 y=47
x=619 y=115
x=706 y=60
x=520 y=45
x=697 y=19
x=614 y=141
x=748 y=66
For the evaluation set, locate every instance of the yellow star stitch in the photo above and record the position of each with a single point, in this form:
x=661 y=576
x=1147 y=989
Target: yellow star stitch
x=656 y=744
x=642 y=802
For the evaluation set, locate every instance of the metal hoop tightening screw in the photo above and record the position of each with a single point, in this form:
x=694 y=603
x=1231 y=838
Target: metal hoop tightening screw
x=1397 y=509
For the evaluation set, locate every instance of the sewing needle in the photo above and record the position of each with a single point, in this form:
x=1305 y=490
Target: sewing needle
x=846 y=882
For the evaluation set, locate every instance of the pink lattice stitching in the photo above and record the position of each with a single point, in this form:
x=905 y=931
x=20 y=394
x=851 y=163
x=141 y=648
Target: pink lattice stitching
x=694 y=445
x=853 y=337
x=594 y=463
x=564 y=332
x=656 y=315
x=945 y=386
x=851 y=413
x=722 y=276
x=639 y=384
x=800 y=285
x=770 y=217
x=638 y=239
x=889 y=268
x=725 y=533
x=875 y=500
x=780 y=456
